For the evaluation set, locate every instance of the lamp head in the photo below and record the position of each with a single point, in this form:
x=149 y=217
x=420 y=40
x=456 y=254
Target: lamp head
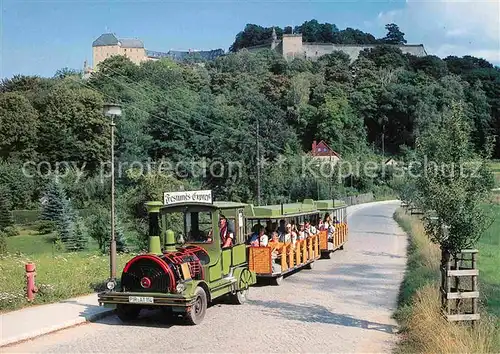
x=112 y=109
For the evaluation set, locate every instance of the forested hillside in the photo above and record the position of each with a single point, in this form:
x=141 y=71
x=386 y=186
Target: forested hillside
x=193 y=114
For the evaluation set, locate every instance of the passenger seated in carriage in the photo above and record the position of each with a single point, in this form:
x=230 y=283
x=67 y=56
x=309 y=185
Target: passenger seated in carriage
x=259 y=239
x=269 y=227
x=274 y=238
x=282 y=229
x=310 y=229
x=276 y=245
x=302 y=233
x=287 y=235
x=328 y=226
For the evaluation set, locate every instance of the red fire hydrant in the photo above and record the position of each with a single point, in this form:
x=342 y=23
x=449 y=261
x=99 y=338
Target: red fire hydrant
x=31 y=288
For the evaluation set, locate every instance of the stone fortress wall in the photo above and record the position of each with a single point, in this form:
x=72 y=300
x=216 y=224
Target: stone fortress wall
x=292 y=46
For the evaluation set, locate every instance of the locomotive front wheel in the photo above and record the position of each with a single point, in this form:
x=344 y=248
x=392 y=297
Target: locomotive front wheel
x=127 y=313
x=197 y=311
x=241 y=296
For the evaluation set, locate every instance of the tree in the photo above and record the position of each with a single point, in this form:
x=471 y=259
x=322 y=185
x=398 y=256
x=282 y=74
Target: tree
x=98 y=225
x=18 y=127
x=254 y=35
x=353 y=36
x=73 y=128
x=5 y=214
x=453 y=182
x=65 y=72
x=20 y=187
x=79 y=238
x=394 y=35
x=57 y=208
x=313 y=31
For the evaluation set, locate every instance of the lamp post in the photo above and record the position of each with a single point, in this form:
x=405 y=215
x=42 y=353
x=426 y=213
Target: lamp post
x=112 y=110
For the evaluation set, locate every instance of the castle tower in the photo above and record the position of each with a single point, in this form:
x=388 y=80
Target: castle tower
x=274 y=37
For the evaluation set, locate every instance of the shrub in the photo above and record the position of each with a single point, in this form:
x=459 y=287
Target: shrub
x=3 y=243
x=10 y=231
x=45 y=227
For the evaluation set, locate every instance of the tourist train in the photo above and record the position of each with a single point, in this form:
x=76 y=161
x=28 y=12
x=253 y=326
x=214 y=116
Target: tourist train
x=201 y=249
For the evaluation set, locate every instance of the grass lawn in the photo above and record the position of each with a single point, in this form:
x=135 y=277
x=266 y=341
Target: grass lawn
x=60 y=275
x=489 y=264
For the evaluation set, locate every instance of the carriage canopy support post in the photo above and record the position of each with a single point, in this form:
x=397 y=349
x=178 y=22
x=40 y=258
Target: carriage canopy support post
x=154 y=244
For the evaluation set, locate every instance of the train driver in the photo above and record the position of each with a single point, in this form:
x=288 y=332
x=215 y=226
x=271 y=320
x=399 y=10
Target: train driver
x=226 y=232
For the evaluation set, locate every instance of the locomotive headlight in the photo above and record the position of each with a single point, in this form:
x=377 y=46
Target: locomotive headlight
x=111 y=284
x=180 y=288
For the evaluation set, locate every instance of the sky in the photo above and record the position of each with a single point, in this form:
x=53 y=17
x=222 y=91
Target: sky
x=40 y=37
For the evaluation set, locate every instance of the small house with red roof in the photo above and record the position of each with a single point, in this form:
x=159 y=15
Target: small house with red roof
x=322 y=151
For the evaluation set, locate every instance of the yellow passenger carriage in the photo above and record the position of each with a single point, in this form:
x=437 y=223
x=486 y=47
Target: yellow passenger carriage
x=338 y=218
x=285 y=253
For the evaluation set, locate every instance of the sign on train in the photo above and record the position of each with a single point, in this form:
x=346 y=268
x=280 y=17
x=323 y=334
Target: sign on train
x=170 y=198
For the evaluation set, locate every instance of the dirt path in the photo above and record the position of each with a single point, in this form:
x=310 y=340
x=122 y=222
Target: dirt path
x=342 y=305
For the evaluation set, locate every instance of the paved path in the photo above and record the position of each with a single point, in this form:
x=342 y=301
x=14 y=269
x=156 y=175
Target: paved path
x=38 y=320
x=342 y=305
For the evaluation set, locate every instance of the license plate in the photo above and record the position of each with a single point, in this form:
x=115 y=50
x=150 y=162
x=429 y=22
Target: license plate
x=140 y=300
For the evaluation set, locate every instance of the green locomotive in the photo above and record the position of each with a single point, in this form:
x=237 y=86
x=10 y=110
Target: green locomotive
x=194 y=267
x=206 y=255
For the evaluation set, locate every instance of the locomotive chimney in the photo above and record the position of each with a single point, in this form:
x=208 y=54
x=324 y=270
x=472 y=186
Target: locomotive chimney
x=154 y=244
x=170 y=241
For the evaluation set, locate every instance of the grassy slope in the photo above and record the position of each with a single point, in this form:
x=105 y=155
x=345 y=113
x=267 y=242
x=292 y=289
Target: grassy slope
x=60 y=275
x=424 y=330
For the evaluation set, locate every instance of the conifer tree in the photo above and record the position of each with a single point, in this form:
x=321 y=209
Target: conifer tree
x=79 y=237
x=5 y=215
x=57 y=208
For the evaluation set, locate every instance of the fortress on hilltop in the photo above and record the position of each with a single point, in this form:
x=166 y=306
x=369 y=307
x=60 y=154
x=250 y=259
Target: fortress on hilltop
x=292 y=46
x=108 y=45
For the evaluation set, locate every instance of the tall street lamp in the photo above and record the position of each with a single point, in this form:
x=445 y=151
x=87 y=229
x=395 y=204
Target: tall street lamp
x=112 y=110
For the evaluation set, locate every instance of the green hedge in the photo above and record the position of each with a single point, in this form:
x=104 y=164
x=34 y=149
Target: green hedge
x=29 y=217
x=25 y=217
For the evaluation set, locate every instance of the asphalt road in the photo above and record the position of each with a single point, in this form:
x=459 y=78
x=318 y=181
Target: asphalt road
x=343 y=305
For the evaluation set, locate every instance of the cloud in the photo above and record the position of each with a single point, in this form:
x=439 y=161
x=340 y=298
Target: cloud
x=448 y=27
x=389 y=16
x=457 y=32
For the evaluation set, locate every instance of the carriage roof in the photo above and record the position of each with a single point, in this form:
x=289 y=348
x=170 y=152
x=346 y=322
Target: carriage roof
x=328 y=204
x=279 y=211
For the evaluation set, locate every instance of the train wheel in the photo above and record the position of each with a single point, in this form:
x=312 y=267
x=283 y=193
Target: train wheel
x=277 y=280
x=244 y=282
x=325 y=255
x=127 y=313
x=309 y=266
x=197 y=311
